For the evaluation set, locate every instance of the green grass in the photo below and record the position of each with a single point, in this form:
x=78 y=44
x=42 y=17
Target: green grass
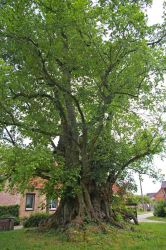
x=143 y=212
x=149 y=236
x=157 y=218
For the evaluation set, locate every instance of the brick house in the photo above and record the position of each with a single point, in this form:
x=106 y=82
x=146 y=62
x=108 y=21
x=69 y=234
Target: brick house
x=151 y=195
x=34 y=202
x=160 y=195
x=7 y=199
x=31 y=202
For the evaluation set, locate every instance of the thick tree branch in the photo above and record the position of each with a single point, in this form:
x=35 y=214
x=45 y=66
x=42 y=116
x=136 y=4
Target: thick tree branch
x=150 y=150
x=158 y=41
x=52 y=82
x=55 y=101
x=10 y=136
x=32 y=96
x=125 y=93
x=135 y=158
x=32 y=129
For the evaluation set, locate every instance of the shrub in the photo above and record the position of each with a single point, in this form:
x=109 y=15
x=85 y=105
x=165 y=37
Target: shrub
x=35 y=219
x=160 y=209
x=16 y=221
x=9 y=210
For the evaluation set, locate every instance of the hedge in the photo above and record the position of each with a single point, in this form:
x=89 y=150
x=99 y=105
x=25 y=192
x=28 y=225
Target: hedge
x=35 y=219
x=12 y=210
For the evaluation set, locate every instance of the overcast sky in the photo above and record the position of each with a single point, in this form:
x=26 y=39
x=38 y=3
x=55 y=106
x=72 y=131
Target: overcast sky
x=155 y=16
x=155 y=12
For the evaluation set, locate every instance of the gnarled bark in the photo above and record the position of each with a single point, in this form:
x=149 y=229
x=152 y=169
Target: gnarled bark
x=91 y=204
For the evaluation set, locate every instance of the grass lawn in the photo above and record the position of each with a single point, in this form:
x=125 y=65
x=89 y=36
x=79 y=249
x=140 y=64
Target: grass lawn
x=147 y=237
x=157 y=218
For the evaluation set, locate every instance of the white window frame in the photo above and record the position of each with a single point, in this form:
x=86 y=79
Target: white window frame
x=33 y=202
x=50 y=205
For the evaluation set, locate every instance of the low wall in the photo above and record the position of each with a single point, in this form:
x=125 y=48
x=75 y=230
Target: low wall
x=6 y=224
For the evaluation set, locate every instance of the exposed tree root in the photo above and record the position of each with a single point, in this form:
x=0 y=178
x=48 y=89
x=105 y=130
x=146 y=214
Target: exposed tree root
x=89 y=206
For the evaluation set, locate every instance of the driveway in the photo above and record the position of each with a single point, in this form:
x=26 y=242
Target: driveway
x=143 y=218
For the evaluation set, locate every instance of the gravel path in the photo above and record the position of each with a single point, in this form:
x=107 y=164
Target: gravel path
x=143 y=218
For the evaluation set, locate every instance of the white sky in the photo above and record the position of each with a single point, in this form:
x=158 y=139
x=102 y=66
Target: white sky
x=154 y=16
x=155 y=12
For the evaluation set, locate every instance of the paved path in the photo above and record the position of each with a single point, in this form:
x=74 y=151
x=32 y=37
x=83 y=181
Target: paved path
x=143 y=218
x=18 y=227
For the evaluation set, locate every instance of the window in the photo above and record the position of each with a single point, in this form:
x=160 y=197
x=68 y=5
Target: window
x=30 y=201
x=52 y=205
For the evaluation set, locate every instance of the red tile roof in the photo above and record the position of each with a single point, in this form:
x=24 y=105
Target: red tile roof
x=38 y=182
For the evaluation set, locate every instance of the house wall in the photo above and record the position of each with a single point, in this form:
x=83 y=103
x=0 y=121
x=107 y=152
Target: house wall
x=7 y=199
x=160 y=195
x=39 y=204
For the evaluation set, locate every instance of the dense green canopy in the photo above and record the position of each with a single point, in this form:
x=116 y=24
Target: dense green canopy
x=81 y=91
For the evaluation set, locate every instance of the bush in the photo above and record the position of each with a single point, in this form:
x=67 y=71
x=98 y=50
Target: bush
x=35 y=219
x=160 y=209
x=9 y=210
x=16 y=221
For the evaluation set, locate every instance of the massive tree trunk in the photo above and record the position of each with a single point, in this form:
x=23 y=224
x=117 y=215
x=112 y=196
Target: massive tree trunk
x=91 y=204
